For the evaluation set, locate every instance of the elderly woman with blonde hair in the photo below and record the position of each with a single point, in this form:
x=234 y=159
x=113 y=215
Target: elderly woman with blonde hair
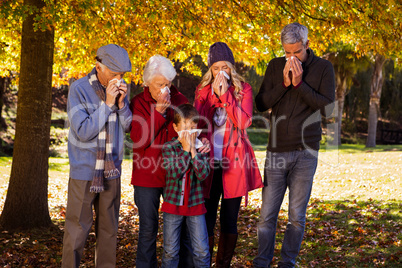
x=152 y=126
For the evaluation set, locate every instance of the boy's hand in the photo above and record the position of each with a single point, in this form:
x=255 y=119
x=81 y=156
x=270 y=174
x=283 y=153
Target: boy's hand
x=192 y=138
x=185 y=141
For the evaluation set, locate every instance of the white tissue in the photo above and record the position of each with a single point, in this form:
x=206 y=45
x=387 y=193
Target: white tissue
x=198 y=143
x=163 y=90
x=290 y=69
x=119 y=81
x=225 y=74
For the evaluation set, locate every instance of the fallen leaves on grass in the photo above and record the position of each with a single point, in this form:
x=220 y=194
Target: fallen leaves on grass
x=339 y=233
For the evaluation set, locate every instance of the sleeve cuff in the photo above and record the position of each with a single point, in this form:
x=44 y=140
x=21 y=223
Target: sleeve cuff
x=298 y=85
x=197 y=158
x=107 y=110
x=226 y=99
x=159 y=117
x=122 y=110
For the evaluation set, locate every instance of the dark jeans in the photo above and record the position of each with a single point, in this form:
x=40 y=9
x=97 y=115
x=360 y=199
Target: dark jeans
x=147 y=200
x=229 y=207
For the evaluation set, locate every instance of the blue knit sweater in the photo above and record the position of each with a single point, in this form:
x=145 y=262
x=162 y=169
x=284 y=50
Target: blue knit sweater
x=87 y=115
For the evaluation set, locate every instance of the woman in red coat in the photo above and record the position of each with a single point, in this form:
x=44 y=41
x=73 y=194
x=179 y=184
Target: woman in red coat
x=225 y=102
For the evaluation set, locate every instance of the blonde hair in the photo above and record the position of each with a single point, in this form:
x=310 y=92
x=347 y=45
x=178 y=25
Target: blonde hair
x=235 y=79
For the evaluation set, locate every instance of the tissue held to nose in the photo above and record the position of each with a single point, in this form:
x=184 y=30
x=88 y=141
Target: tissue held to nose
x=225 y=74
x=198 y=143
x=290 y=69
x=163 y=90
x=119 y=81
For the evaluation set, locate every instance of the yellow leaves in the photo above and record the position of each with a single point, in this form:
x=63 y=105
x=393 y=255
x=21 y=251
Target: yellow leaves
x=184 y=28
x=192 y=68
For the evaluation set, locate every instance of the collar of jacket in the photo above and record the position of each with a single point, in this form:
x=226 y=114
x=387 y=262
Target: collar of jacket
x=309 y=58
x=148 y=96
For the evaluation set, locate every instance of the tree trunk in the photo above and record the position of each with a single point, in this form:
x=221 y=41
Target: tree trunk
x=375 y=96
x=3 y=85
x=26 y=204
x=341 y=88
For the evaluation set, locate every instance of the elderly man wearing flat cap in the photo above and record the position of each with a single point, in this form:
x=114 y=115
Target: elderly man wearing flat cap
x=99 y=115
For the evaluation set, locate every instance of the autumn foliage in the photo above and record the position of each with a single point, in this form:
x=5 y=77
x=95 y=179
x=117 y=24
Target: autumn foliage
x=182 y=29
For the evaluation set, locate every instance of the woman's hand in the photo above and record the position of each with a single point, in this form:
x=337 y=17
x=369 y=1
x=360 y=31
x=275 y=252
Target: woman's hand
x=220 y=84
x=206 y=148
x=163 y=102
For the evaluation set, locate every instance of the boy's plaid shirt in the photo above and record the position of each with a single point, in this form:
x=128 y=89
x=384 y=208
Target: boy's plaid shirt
x=176 y=161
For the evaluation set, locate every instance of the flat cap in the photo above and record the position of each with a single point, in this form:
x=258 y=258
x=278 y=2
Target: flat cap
x=115 y=58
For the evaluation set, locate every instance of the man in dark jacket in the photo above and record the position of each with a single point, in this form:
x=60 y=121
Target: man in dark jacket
x=298 y=88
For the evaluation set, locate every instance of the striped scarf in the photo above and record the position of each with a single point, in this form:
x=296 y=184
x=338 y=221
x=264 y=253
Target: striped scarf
x=104 y=167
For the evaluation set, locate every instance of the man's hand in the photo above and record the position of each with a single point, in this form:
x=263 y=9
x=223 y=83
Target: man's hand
x=297 y=70
x=111 y=93
x=163 y=102
x=122 y=94
x=287 y=75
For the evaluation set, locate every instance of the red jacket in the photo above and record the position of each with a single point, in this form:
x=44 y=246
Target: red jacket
x=240 y=173
x=149 y=131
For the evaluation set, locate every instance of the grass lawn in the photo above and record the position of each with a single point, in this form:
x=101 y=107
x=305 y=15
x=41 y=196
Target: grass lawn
x=354 y=216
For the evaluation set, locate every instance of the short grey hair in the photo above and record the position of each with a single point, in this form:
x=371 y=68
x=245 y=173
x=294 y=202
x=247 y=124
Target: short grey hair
x=158 y=65
x=294 y=33
x=101 y=65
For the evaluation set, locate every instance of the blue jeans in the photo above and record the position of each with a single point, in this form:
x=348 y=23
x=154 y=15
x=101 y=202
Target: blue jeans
x=197 y=228
x=147 y=200
x=294 y=170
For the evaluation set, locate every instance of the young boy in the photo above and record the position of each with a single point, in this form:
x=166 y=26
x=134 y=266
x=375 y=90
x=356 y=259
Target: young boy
x=183 y=197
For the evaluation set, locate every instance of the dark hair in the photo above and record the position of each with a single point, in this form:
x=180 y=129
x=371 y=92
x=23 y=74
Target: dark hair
x=185 y=111
x=98 y=59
